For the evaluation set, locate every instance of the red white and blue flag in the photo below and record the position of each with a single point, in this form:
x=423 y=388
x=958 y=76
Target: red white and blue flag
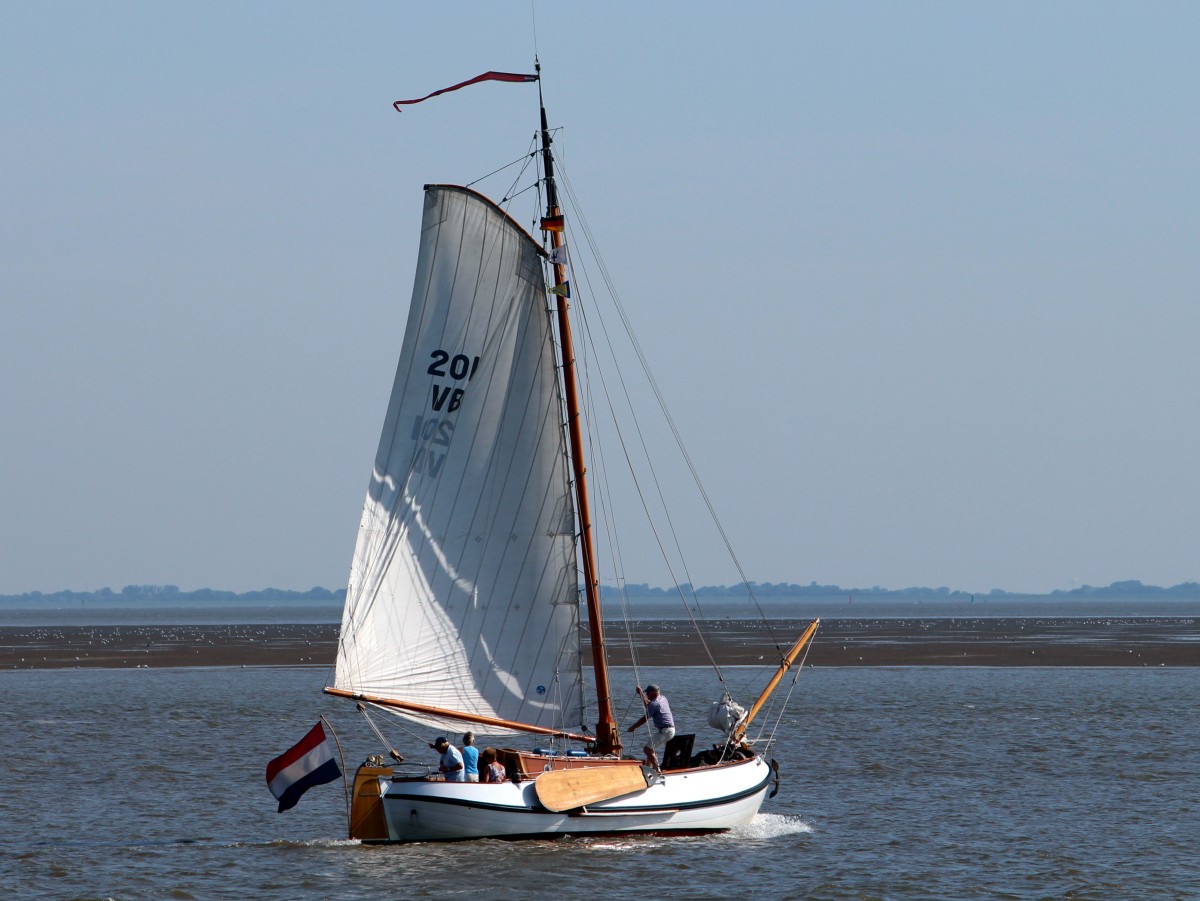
x=294 y=772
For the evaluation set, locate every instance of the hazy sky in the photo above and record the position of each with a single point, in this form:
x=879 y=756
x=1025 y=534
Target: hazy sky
x=921 y=281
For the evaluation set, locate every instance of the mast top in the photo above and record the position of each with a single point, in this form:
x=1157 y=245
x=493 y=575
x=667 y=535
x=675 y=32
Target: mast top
x=547 y=156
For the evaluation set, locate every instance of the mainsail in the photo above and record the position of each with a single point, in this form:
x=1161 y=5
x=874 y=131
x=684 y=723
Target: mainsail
x=462 y=597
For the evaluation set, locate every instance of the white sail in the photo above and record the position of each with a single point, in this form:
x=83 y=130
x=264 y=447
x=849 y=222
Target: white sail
x=463 y=587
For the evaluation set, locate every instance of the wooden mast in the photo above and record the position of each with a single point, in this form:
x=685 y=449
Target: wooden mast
x=608 y=736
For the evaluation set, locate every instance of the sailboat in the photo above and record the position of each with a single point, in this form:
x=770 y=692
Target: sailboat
x=463 y=609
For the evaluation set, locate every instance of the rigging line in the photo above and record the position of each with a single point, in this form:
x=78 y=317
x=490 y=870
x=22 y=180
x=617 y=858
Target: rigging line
x=520 y=159
x=625 y=388
x=653 y=527
x=606 y=508
x=510 y=197
x=533 y=17
x=650 y=465
x=362 y=708
x=628 y=707
x=531 y=155
x=331 y=670
x=662 y=405
x=637 y=424
x=625 y=447
x=671 y=421
x=646 y=508
x=610 y=520
x=603 y=483
x=597 y=456
x=558 y=409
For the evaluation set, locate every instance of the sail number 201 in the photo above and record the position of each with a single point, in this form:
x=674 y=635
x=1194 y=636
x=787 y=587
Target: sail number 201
x=456 y=367
x=434 y=432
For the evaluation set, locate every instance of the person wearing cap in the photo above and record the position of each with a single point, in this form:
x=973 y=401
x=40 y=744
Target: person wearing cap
x=662 y=724
x=451 y=763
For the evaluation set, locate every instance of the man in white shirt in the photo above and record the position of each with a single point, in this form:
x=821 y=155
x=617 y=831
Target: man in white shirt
x=450 y=764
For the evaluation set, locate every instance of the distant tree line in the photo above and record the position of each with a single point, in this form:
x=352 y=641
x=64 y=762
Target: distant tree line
x=1132 y=588
x=1129 y=588
x=171 y=594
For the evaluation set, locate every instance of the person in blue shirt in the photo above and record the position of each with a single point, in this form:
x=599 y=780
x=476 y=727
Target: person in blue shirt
x=470 y=756
x=662 y=724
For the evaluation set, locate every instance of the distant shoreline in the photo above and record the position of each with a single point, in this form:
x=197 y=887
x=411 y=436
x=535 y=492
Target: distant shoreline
x=768 y=593
x=617 y=609
x=939 y=641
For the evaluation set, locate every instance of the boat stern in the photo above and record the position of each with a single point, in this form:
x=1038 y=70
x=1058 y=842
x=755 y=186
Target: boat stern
x=367 y=821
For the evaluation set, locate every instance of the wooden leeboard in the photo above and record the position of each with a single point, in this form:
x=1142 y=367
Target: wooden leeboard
x=561 y=790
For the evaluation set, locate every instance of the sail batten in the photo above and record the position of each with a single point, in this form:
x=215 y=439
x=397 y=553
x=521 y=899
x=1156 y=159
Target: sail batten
x=463 y=582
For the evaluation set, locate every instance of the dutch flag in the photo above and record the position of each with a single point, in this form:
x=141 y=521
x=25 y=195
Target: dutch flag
x=294 y=772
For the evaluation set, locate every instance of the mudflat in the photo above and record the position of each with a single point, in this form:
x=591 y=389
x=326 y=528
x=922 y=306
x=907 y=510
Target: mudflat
x=1041 y=641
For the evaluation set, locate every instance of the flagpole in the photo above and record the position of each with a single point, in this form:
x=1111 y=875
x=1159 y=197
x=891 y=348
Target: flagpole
x=345 y=778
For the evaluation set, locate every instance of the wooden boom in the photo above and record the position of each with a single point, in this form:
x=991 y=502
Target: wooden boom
x=458 y=715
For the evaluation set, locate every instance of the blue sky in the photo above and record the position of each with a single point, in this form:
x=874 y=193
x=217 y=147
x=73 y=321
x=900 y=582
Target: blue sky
x=920 y=281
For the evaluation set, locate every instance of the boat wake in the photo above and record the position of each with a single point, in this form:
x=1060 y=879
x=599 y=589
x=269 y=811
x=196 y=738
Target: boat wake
x=763 y=827
x=301 y=843
x=769 y=825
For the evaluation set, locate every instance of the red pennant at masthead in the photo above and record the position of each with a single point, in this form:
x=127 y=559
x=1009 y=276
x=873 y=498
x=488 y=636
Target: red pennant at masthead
x=486 y=76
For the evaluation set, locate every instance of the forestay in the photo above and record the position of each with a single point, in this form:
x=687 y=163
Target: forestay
x=463 y=586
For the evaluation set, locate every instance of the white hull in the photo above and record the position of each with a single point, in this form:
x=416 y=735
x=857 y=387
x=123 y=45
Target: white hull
x=706 y=799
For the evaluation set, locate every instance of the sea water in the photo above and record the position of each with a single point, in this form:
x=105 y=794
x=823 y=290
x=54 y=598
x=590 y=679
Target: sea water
x=920 y=782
